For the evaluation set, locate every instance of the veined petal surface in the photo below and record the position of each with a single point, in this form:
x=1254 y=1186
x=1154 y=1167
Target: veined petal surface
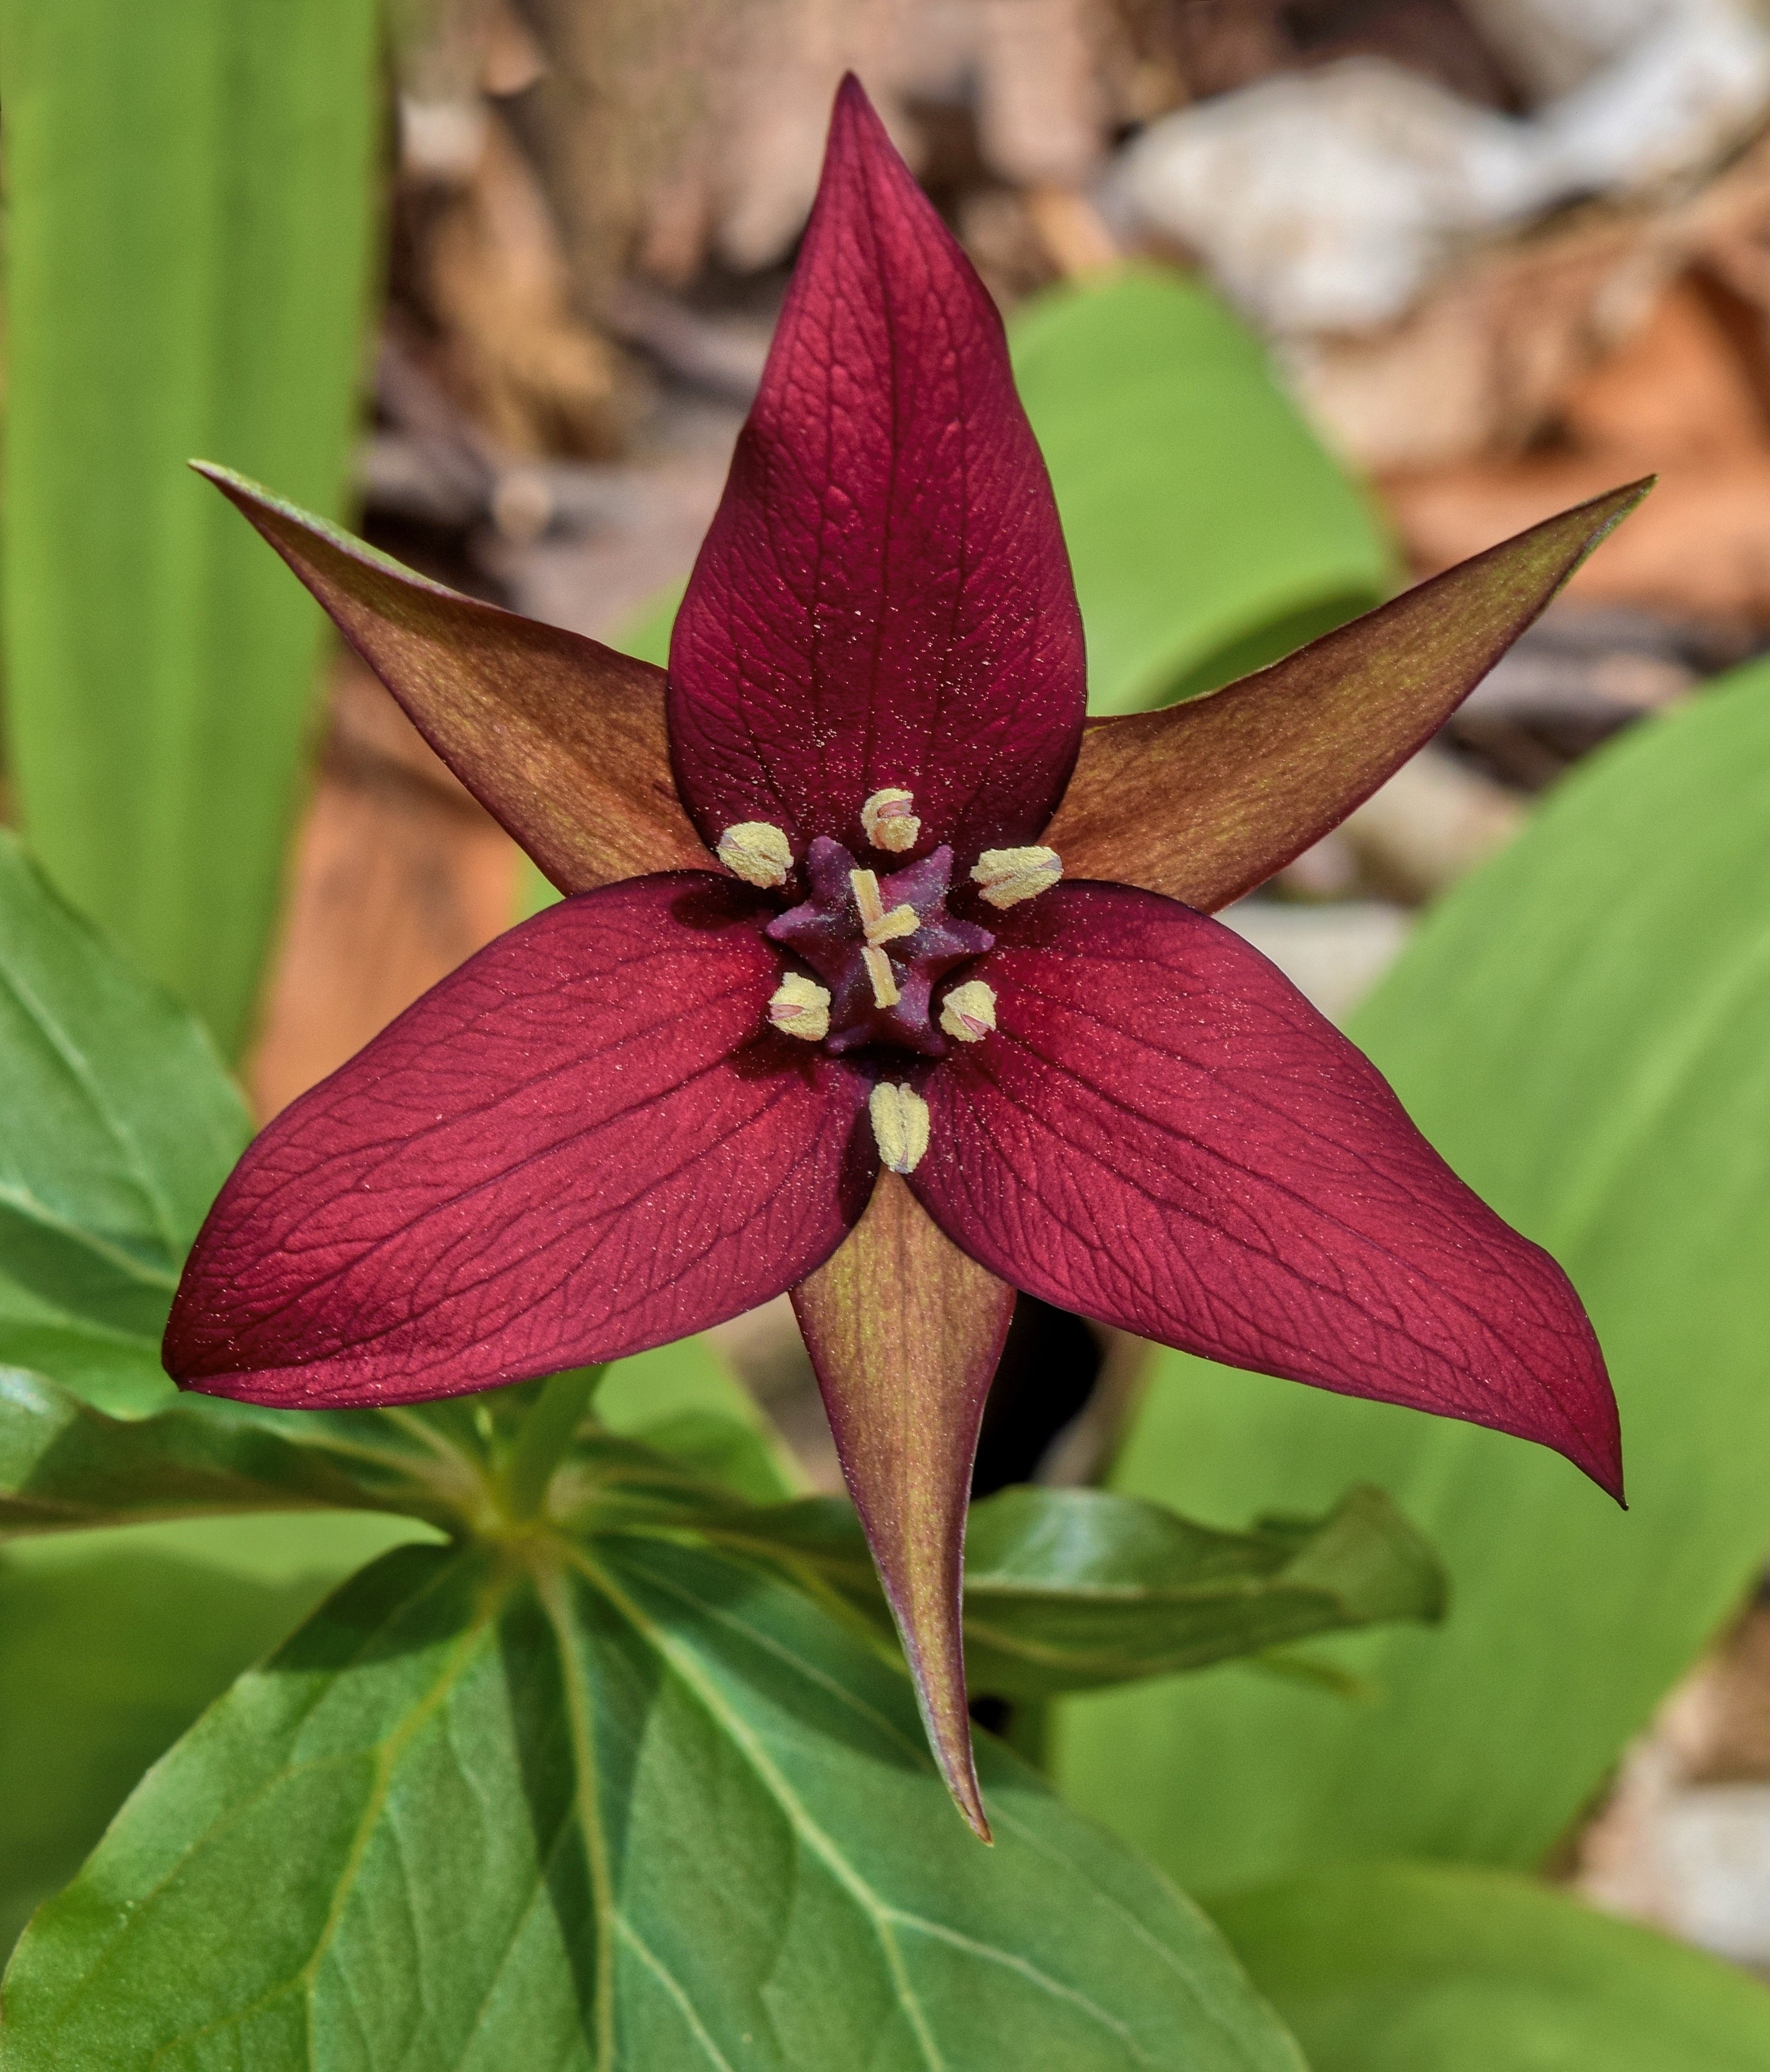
x=560 y=738
x=884 y=598
x=1204 y=800
x=1163 y=1133
x=905 y=1330
x=585 y=1142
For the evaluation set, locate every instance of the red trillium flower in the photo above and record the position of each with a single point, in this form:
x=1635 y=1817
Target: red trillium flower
x=882 y=980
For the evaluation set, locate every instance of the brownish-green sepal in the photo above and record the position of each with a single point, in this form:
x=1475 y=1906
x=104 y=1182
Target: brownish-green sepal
x=905 y=1331
x=1203 y=801
x=560 y=738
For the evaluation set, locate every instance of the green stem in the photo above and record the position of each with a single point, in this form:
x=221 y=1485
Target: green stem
x=546 y=1432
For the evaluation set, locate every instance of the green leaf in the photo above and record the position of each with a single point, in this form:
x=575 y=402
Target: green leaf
x=637 y=1805
x=683 y=1399
x=117 y=1128
x=1068 y=1590
x=1580 y=1029
x=111 y=1644
x=647 y=634
x=1413 y=1968
x=1210 y=531
x=188 y=212
x=64 y=1466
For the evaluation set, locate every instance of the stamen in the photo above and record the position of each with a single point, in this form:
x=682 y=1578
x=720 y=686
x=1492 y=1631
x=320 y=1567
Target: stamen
x=878 y=970
x=881 y=927
x=756 y=852
x=900 y=1123
x=888 y=821
x=901 y=921
x=801 y=1007
x=866 y=898
x=968 y=1012
x=1007 y=876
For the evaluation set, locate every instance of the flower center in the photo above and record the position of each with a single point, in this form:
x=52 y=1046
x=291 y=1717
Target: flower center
x=879 y=945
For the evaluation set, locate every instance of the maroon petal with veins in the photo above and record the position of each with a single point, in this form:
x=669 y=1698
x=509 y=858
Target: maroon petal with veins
x=884 y=596
x=585 y=1142
x=1163 y=1133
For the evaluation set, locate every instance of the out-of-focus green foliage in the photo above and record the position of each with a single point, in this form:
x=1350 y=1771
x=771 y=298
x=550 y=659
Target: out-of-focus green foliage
x=1072 y=1589
x=112 y=1642
x=117 y=1126
x=1209 y=529
x=1581 y=1028
x=1418 y=1968
x=188 y=214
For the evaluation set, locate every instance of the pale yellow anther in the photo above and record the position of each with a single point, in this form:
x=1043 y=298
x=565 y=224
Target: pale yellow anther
x=757 y=853
x=867 y=899
x=889 y=927
x=878 y=970
x=881 y=927
x=889 y=822
x=1007 y=876
x=801 y=1007
x=968 y=1012
x=899 y=1116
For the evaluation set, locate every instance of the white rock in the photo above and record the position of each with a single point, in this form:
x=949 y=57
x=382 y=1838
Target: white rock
x=1713 y=1846
x=1322 y=202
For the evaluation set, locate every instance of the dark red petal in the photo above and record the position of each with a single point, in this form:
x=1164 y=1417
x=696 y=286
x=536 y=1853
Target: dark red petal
x=1163 y=1133
x=905 y=1331
x=585 y=1142
x=560 y=738
x=1204 y=800
x=884 y=598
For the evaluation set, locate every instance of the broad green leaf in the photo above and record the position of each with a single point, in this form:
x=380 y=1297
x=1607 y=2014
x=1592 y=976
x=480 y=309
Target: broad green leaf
x=1210 y=531
x=636 y=1806
x=111 y=1644
x=1418 y=1968
x=1066 y=1589
x=1581 y=1028
x=188 y=191
x=117 y=1128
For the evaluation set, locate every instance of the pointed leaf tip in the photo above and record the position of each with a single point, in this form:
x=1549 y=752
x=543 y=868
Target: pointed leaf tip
x=1204 y=800
x=905 y=1331
x=560 y=738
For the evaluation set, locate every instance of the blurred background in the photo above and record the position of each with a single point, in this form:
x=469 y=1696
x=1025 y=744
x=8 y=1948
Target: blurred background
x=1500 y=255
x=1308 y=298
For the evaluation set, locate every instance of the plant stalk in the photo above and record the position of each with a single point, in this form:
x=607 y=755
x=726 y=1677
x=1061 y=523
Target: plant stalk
x=546 y=1433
